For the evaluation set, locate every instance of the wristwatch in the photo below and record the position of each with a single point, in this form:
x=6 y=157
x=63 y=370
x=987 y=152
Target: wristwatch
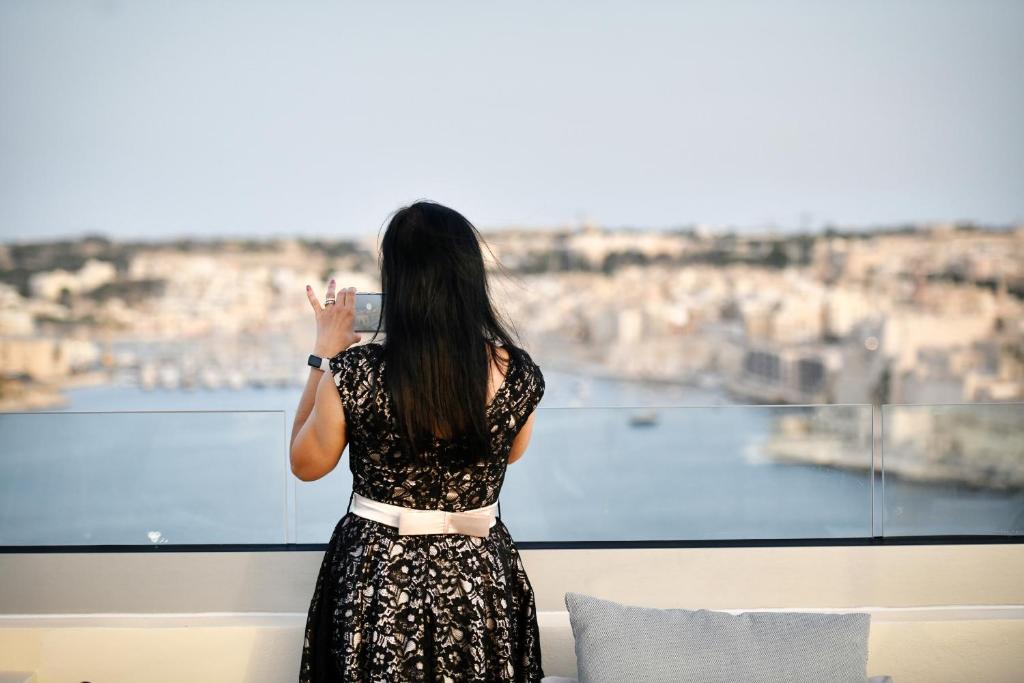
x=319 y=363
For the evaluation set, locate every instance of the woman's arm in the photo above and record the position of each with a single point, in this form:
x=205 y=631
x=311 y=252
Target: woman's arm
x=522 y=439
x=320 y=439
x=318 y=433
x=307 y=400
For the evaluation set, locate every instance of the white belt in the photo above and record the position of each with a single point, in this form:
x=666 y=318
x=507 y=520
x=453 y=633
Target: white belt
x=475 y=522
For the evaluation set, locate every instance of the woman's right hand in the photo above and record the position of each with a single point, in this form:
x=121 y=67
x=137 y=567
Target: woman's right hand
x=335 y=322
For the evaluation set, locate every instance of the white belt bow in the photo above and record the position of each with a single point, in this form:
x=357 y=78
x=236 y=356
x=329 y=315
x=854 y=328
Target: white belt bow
x=413 y=521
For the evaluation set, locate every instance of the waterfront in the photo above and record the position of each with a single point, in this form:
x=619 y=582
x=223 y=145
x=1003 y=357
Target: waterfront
x=199 y=476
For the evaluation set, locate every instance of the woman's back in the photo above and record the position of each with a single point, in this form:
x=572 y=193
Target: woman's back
x=382 y=473
x=421 y=580
x=430 y=607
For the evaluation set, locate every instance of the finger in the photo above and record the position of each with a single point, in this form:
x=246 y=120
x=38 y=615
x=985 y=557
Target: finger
x=313 y=301
x=350 y=297
x=330 y=289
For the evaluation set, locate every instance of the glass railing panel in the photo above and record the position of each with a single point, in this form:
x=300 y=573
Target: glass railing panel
x=320 y=504
x=590 y=474
x=674 y=473
x=953 y=469
x=154 y=478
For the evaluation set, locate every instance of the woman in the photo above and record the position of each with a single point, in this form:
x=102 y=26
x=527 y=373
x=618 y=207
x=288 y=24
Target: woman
x=421 y=580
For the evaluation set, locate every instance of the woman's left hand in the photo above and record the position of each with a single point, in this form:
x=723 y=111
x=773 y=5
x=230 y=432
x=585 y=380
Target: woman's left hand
x=334 y=322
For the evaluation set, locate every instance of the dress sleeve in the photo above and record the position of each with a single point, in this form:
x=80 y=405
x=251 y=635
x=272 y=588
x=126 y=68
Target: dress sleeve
x=531 y=389
x=345 y=368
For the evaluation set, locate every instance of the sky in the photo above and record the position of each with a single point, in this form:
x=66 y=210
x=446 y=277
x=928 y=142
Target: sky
x=152 y=120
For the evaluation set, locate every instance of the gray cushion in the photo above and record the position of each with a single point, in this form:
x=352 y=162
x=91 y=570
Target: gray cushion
x=616 y=642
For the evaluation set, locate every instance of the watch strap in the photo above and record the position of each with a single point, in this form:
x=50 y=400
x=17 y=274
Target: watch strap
x=315 y=361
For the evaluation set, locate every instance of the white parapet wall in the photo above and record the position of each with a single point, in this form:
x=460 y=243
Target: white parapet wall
x=939 y=612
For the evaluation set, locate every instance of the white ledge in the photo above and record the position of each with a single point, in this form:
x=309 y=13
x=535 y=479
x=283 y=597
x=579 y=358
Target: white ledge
x=292 y=619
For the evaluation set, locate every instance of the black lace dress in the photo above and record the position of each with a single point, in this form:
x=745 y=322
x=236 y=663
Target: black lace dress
x=434 y=607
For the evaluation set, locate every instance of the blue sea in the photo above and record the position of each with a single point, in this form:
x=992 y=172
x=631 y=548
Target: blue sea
x=124 y=465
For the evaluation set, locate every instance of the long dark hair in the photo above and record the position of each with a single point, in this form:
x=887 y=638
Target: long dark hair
x=440 y=326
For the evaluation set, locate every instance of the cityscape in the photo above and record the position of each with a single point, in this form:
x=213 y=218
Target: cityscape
x=917 y=314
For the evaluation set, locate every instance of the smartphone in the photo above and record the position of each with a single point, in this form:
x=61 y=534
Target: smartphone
x=368 y=308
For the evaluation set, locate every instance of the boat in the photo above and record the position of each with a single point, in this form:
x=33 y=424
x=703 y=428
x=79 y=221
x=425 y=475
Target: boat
x=645 y=418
